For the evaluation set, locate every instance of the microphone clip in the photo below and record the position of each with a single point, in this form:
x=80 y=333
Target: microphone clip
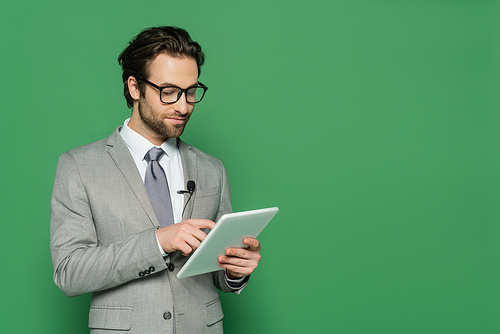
x=190 y=188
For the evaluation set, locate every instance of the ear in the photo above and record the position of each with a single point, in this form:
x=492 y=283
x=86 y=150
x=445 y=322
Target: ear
x=133 y=88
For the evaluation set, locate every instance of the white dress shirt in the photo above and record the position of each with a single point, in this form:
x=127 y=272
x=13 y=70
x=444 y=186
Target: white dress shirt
x=170 y=162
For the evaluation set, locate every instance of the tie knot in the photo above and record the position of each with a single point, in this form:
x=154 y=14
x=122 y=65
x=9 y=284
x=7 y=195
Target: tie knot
x=154 y=154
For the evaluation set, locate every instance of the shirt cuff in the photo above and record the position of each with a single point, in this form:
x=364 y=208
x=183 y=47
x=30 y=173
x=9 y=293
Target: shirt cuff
x=235 y=283
x=159 y=247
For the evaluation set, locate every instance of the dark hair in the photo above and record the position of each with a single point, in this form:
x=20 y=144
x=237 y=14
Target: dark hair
x=150 y=42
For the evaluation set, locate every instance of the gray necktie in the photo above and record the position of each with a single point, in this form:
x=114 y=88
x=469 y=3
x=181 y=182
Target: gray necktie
x=157 y=187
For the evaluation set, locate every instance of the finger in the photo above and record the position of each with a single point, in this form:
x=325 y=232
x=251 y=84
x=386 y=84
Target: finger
x=187 y=242
x=243 y=253
x=235 y=270
x=238 y=266
x=252 y=243
x=192 y=241
x=201 y=223
x=195 y=232
x=238 y=252
x=185 y=249
x=238 y=262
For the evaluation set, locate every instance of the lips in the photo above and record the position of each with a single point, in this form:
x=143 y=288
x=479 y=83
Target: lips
x=176 y=120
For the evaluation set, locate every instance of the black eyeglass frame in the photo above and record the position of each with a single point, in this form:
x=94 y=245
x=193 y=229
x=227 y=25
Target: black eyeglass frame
x=183 y=91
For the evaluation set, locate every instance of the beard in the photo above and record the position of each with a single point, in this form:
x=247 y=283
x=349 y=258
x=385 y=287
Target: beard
x=155 y=121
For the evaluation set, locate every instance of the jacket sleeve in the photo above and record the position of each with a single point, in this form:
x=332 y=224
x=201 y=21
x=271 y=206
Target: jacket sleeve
x=225 y=207
x=80 y=263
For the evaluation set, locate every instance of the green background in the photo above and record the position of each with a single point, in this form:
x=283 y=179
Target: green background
x=372 y=125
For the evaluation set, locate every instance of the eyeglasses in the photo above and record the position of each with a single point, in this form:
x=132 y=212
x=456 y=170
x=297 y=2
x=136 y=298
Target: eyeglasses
x=172 y=94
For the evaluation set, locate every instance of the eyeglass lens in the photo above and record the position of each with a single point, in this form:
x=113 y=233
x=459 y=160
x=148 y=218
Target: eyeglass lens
x=172 y=94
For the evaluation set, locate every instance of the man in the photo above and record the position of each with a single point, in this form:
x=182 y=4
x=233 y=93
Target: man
x=119 y=227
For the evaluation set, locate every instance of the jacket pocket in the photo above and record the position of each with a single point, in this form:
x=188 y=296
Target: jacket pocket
x=116 y=318
x=206 y=203
x=208 y=192
x=213 y=312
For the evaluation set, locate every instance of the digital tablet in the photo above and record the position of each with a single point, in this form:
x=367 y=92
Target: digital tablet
x=228 y=232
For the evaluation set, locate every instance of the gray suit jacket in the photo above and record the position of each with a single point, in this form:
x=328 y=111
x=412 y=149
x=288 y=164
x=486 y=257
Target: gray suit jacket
x=102 y=240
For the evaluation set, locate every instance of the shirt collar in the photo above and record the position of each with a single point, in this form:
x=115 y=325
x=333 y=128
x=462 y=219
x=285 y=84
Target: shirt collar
x=141 y=145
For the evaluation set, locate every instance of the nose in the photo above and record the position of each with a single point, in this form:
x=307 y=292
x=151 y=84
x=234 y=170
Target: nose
x=181 y=105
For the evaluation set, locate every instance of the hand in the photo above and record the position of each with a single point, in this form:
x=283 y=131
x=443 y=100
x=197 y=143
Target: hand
x=240 y=262
x=185 y=236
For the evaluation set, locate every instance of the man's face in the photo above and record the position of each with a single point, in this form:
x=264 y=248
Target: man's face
x=157 y=121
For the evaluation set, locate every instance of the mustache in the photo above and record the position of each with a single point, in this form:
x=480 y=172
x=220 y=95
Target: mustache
x=178 y=116
x=184 y=118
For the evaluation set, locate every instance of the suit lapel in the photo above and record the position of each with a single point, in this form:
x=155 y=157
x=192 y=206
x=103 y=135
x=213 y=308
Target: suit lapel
x=190 y=170
x=121 y=156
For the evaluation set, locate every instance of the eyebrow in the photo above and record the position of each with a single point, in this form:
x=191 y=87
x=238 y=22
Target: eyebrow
x=168 y=84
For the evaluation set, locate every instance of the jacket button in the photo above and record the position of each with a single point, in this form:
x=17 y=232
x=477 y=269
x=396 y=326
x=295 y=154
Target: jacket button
x=142 y=273
x=171 y=266
x=152 y=269
x=167 y=315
